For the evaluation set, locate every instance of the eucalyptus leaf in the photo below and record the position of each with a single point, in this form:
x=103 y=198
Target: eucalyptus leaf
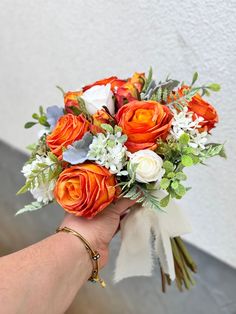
x=184 y=139
x=181 y=176
x=53 y=114
x=168 y=166
x=164 y=183
x=174 y=185
x=107 y=127
x=187 y=161
x=78 y=151
x=180 y=190
x=165 y=201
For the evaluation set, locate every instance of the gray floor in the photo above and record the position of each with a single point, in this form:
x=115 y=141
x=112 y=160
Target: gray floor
x=216 y=282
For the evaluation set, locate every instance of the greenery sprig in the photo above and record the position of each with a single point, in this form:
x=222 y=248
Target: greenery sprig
x=31 y=207
x=43 y=173
x=157 y=92
x=177 y=155
x=81 y=109
x=40 y=118
x=142 y=194
x=179 y=100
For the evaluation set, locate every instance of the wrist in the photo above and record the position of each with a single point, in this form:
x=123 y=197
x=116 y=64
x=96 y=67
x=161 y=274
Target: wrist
x=75 y=224
x=84 y=228
x=73 y=248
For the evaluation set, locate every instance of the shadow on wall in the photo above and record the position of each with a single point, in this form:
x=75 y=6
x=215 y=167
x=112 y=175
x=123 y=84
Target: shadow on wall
x=216 y=282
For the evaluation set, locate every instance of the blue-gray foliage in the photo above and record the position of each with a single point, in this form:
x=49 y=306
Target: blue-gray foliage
x=78 y=151
x=53 y=114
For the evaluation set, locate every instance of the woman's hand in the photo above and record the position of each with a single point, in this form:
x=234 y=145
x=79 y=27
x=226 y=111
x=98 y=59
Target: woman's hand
x=100 y=230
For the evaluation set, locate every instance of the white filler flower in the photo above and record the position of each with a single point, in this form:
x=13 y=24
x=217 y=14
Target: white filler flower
x=109 y=151
x=147 y=165
x=98 y=96
x=43 y=192
x=183 y=122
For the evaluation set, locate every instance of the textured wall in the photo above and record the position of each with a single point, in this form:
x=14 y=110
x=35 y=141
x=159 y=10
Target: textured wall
x=45 y=43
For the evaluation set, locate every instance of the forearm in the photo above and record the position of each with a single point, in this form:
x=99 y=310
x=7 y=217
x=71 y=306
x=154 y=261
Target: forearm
x=44 y=277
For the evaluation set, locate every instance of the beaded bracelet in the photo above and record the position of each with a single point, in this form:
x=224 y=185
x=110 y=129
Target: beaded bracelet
x=93 y=254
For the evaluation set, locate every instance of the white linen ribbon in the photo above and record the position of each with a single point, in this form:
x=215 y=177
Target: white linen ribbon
x=136 y=255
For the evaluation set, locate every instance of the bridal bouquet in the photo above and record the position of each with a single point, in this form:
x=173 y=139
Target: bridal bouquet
x=128 y=138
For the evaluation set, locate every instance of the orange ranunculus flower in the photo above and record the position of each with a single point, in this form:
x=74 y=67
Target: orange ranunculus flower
x=70 y=100
x=130 y=90
x=113 y=80
x=144 y=122
x=138 y=80
x=85 y=189
x=203 y=109
x=100 y=117
x=68 y=129
x=126 y=93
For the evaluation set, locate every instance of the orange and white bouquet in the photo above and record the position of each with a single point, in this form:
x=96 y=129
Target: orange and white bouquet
x=128 y=138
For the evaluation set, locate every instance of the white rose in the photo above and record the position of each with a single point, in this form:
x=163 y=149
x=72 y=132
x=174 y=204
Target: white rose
x=98 y=96
x=149 y=166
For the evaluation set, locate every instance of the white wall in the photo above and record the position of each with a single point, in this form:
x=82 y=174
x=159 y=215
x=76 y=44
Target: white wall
x=45 y=43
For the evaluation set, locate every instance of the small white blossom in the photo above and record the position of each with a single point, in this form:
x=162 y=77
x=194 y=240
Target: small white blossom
x=43 y=192
x=109 y=151
x=183 y=122
x=198 y=140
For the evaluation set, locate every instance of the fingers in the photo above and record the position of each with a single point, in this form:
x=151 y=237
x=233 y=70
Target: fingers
x=122 y=205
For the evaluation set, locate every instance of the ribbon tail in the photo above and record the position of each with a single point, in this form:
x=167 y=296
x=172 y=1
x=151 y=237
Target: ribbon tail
x=163 y=250
x=166 y=225
x=135 y=255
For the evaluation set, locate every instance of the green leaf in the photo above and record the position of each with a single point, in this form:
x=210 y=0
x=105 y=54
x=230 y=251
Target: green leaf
x=29 y=125
x=184 y=139
x=214 y=87
x=60 y=89
x=165 y=201
x=41 y=110
x=117 y=129
x=148 y=80
x=35 y=116
x=168 y=166
x=52 y=157
x=181 y=176
x=181 y=190
x=31 y=207
x=107 y=127
x=195 y=159
x=222 y=152
x=190 y=150
x=171 y=175
x=43 y=121
x=164 y=183
x=31 y=147
x=195 y=77
x=165 y=94
x=75 y=110
x=186 y=161
x=24 y=188
x=174 y=185
x=211 y=150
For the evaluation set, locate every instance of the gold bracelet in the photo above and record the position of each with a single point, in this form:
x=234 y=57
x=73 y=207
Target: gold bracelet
x=93 y=254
